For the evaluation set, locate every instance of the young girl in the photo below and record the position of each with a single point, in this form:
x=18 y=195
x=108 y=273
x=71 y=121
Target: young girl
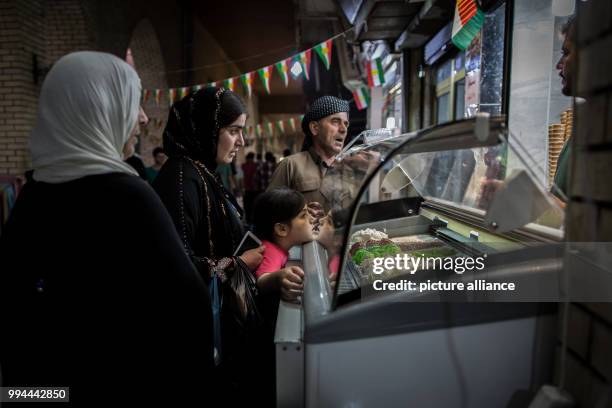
x=281 y=220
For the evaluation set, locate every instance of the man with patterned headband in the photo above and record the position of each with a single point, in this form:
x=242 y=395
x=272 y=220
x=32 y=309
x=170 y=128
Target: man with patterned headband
x=325 y=128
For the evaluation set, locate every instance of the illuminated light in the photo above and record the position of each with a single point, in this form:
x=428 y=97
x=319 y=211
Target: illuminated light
x=296 y=69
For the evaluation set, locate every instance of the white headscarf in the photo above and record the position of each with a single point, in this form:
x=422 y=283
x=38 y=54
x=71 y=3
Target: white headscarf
x=88 y=106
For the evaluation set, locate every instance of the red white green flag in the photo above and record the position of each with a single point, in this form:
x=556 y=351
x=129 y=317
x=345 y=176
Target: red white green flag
x=229 y=83
x=269 y=129
x=196 y=88
x=184 y=91
x=324 y=50
x=283 y=70
x=281 y=126
x=362 y=97
x=467 y=23
x=264 y=74
x=304 y=58
x=292 y=124
x=172 y=95
x=145 y=95
x=247 y=82
x=376 y=76
x=259 y=130
x=157 y=94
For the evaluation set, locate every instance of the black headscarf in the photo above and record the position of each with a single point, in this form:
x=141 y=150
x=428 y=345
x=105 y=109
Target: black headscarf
x=194 y=123
x=321 y=108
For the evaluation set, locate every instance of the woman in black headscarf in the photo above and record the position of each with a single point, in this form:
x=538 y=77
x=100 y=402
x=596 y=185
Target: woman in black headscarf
x=205 y=129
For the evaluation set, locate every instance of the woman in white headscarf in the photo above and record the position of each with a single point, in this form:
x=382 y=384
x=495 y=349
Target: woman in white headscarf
x=96 y=290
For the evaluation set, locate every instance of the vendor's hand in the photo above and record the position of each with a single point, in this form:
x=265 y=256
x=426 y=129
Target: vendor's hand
x=291 y=281
x=253 y=257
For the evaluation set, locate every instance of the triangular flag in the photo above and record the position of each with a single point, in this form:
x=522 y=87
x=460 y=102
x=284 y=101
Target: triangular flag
x=376 y=76
x=229 y=83
x=324 y=50
x=281 y=126
x=269 y=129
x=467 y=22
x=172 y=95
x=196 y=88
x=283 y=70
x=184 y=92
x=264 y=74
x=362 y=97
x=157 y=93
x=292 y=124
x=304 y=58
x=259 y=130
x=145 y=95
x=247 y=82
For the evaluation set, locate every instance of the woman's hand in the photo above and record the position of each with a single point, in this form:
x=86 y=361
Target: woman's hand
x=253 y=257
x=291 y=284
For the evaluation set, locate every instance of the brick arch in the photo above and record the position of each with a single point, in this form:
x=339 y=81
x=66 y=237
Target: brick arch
x=146 y=52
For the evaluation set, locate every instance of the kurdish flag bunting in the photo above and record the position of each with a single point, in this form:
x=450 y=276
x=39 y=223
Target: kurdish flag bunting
x=283 y=70
x=172 y=95
x=145 y=96
x=304 y=58
x=376 y=76
x=467 y=23
x=281 y=126
x=247 y=82
x=229 y=83
x=264 y=74
x=324 y=51
x=292 y=124
x=183 y=92
x=157 y=94
x=362 y=97
x=269 y=129
x=259 y=131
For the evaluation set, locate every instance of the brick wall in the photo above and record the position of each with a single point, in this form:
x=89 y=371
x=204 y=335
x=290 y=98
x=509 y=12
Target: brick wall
x=149 y=63
x=589 y=360
x=20 y=38
x=65 y=29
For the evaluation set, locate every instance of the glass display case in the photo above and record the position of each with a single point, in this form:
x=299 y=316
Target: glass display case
x=442 y=195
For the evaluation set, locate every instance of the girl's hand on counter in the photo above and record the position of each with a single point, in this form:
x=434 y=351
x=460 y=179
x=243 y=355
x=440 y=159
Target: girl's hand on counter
x=291 y=284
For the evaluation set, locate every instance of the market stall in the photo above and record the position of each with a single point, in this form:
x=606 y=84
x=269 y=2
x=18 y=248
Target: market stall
x=376 y=330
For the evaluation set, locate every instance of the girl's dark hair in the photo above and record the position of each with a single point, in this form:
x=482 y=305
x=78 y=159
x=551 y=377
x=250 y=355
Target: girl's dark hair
x=232 y=106
x=279 y=205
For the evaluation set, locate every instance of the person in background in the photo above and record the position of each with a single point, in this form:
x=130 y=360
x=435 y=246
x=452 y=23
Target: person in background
x=265 y=171
x=160 y=158
x=251 y=186
x=286 y=153
x=567 y=71
x=325 y=128
x=281 y=221
x=129 y=151
x=94 y=278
